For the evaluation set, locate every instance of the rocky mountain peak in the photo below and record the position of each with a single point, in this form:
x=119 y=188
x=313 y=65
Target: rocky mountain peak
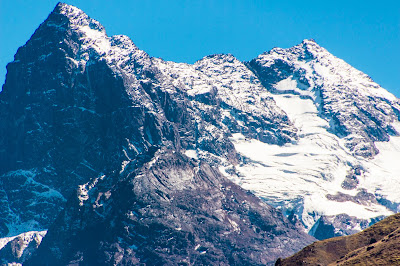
x=81 y=113
x=354 y=119
x=307 y=50
x=65 y=115
x=341 y=93
x=312 y=45
x=220 y=57
x=77 y=18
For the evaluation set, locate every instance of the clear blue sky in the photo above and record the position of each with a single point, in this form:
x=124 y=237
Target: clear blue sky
x=366 y=34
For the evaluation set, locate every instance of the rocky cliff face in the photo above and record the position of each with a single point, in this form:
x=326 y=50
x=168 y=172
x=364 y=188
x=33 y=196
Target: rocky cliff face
x=66 y=118
x=18 y=249
x=169 y=210
x=97 y=133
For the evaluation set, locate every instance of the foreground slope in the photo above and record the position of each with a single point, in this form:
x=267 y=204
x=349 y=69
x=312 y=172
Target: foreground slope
x=376 y=245
x=100 y=139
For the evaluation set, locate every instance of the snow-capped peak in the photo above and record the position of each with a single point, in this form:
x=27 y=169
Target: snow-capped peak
x=77 y=17
x=342 y=93
x=311 y=45
x=339 y=109
x=116 y=50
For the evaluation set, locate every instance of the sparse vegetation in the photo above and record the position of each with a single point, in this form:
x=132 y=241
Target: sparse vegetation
x=377 y=245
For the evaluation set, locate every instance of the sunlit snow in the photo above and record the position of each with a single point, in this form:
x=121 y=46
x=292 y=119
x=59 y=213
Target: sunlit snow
x=315 y=166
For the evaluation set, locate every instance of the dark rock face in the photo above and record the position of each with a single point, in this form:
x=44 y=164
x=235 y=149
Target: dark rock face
x=172 y=210
x=72 y=110
x=329 y=226
x=323 y=230
x=62 y=123
x=351 y=181
x=93 y=132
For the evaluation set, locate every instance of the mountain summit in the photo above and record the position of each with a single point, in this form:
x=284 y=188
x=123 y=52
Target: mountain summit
x=120 y=164
x=125 y=158
x=358 y=109
x=341 y=173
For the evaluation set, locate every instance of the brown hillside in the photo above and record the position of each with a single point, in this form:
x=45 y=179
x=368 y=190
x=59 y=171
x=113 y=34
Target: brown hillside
x=376 y=245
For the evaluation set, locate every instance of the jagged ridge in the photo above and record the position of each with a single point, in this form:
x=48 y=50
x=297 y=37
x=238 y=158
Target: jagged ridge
x=357 y=108
x=91 y=122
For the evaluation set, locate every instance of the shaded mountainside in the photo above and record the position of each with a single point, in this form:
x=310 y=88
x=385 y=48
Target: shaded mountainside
x=376 y=245
x=19 y=248
x=120 y=164
x=78 y=104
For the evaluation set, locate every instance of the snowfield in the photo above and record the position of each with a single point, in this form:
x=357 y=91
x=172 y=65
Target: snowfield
x=299 y=175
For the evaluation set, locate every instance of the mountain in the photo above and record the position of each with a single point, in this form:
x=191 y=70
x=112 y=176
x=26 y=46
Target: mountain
x=341 y=175
x=120 y=164
x=376 y=245
x=163 y=158
x=358 y=109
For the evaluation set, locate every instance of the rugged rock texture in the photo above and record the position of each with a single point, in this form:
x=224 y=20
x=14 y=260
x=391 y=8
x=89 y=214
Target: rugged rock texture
x=171 y=210
x=377 y=245
x=226 y=85
x=328 y=226
x=94 y=128
x=78 y=104
x=63 y=121
x=348 y=139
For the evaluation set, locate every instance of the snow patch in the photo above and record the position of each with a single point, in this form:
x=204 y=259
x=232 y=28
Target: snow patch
x=191 y=154
x=24 y=240
x=82 y=192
